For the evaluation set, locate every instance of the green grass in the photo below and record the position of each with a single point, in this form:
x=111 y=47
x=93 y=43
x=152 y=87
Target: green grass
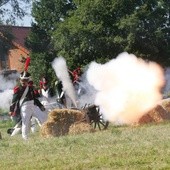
x=118 y=147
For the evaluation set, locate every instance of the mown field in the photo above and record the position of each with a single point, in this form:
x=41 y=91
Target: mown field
x=118 y=147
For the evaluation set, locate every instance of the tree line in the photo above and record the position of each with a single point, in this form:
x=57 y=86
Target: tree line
x=97 y=30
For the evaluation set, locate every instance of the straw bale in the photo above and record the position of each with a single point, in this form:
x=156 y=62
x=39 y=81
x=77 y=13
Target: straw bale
x=68 y=115
x=60 y=120
x=79 y=128
x=157 y=114
x=144 y=119
x=165 y=103
x=49 y=129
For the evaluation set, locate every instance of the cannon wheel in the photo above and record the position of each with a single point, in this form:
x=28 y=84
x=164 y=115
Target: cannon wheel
x=96 y=118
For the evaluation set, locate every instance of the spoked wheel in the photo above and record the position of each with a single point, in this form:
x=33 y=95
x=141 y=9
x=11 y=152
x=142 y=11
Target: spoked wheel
x=96 y=118
x=100 y=124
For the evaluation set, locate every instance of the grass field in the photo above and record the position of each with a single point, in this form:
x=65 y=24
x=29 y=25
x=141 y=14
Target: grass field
x=118 y=147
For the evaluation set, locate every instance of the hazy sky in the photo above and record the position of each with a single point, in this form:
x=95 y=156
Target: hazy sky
x=26 y=21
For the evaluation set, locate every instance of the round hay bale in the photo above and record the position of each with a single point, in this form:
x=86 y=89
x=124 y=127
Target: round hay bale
x=79 y=128
x=59 y=122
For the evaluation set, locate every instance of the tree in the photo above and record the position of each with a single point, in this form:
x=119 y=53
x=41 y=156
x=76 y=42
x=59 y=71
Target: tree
x=84 y=31
x=87 y=34
x=47 y=15
x=101 y=29
x=146 y=31
x=42 y=54
x=38 y=40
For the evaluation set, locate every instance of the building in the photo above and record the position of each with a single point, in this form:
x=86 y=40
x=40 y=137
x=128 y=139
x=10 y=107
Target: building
x=14 y=57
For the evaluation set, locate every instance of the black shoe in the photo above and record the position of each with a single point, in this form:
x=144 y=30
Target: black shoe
x=9 y=131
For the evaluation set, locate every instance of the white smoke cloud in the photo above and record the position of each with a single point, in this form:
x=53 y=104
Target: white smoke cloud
x=86 y=92
x=8 y=83
x=127 y=87
x=6 y=98
x=6 y=90
x=60 y=68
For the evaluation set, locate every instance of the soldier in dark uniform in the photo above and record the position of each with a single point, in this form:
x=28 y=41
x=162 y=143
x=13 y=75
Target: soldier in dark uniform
x=24 y=99
x=60 y=94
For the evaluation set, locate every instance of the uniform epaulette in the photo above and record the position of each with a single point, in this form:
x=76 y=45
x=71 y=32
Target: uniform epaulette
x=16 y=89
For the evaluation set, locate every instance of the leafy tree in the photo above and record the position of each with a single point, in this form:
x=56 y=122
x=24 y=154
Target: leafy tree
x=86 y=35
x=47 y=15
x=101 y=29
x=38 y=40
x=146 y=31
x=83 y=31
x=42 y=54
x=39 y=67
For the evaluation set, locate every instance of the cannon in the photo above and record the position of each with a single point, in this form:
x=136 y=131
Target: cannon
x=67 y=118
x=94 y=117
x=63 y=121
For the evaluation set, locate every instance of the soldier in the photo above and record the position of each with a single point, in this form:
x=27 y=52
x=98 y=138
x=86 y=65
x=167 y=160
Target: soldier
x=47 y=94
x=25 y=100
x=61 y=100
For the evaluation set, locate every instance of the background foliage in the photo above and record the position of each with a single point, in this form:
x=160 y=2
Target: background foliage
x=84 y=31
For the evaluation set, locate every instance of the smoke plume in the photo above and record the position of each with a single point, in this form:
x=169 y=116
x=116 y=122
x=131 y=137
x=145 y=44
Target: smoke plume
x=6 y=90
x=86 y=92
x=60 y=68
x=127 y=87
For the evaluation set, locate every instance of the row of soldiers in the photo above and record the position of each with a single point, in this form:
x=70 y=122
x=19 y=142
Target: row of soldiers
x=30 y=107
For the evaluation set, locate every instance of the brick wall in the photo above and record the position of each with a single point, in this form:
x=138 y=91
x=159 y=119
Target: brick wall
x=14 y=59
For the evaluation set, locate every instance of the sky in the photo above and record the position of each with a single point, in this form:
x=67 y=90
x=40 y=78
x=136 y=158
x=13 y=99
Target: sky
x=27 y=20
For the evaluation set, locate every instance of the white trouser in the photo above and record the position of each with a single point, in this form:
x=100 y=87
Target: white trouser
x=28 y=109
x=49 y=105
x=34 y=123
